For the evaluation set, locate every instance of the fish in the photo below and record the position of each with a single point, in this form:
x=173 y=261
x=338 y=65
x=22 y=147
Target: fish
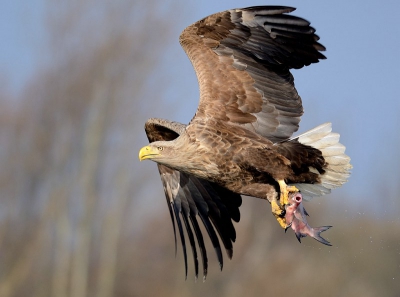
x=296 y=218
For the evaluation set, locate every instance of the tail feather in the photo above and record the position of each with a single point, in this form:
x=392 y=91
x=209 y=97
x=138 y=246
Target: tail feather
x=338 y=170
x=315 y=134
x=334 y=150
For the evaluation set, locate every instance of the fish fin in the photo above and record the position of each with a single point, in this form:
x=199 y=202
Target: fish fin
x=298 y=236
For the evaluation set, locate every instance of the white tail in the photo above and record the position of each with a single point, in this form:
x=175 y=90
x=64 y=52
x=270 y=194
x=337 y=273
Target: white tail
x=338 y=170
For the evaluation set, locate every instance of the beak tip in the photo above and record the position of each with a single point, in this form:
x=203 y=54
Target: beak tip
x=143 y=153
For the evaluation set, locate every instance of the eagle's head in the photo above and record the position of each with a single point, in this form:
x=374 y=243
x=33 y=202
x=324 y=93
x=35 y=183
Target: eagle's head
x=178 y=154
x=157 y=151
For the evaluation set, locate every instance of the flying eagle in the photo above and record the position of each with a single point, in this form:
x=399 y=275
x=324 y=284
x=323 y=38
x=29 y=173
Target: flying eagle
x=240 y=140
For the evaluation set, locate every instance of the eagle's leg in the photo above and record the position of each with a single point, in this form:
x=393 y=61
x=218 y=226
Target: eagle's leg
x=284 y=190
x=283 y=201
x=278 y=213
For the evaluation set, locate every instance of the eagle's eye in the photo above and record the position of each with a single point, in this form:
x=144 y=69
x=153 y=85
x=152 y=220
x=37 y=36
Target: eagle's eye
x=160 y=148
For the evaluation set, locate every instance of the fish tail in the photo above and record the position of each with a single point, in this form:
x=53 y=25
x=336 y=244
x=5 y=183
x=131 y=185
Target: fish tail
x=316 y=234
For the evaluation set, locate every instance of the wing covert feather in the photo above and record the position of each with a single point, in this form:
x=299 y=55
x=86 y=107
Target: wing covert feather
x=242 y=59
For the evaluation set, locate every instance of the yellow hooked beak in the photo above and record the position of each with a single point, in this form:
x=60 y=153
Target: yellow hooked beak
x=148 y=152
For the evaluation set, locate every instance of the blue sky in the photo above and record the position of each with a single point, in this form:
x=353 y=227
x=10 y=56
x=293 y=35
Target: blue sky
x=21 y=35
x=356 y=88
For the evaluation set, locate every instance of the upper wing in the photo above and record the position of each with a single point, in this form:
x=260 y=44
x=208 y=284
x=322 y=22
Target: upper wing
x=242 y=59
x=189 y=197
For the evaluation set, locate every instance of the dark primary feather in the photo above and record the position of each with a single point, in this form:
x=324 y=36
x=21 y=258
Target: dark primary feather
x=242 y=59
x=189 y=197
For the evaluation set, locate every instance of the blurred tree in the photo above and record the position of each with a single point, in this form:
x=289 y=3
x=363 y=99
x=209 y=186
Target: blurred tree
x=71 y=181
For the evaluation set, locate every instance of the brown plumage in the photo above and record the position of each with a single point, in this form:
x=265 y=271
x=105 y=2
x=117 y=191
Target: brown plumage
x=238 y=142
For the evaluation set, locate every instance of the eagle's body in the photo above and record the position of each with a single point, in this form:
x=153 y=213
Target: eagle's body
x=240 y=140
x=241 y=160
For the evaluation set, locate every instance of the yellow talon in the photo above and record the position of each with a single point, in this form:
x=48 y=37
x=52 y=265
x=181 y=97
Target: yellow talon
x=285 y=189
x=279 y=209
x=278 y=212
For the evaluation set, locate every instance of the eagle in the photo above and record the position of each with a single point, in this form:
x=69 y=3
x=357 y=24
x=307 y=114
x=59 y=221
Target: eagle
x=240 y=140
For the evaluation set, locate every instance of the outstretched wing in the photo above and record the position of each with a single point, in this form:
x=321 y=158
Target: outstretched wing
x=242 y=59
x=189 y=197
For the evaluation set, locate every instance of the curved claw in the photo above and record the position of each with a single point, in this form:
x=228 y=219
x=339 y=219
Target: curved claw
x=288 y=226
